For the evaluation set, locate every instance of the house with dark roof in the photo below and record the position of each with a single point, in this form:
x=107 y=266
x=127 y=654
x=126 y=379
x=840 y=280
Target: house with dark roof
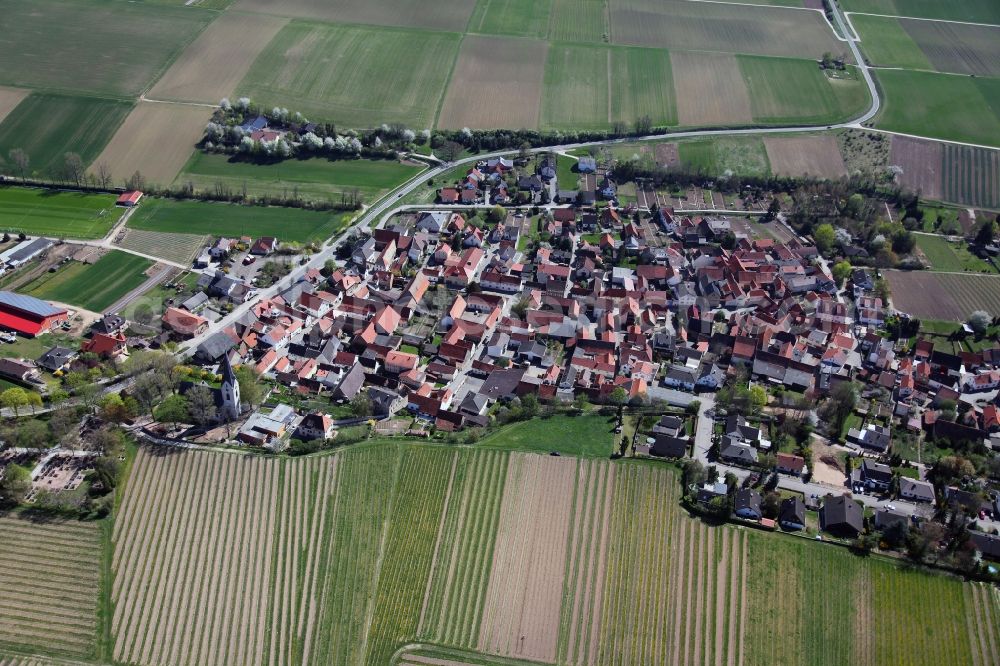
x=916 y=490
x=841 y=516
x=747 y=504
x=666 y=446
x=792 y=514
x=875 y=476
x=56 y=358
x=987 y=545
x=736 y=453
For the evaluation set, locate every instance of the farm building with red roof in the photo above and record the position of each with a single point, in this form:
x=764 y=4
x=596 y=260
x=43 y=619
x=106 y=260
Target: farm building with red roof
x=28 y=315
x=129 y=199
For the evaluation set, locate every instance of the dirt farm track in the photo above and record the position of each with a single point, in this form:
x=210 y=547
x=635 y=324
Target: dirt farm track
x=943 y=296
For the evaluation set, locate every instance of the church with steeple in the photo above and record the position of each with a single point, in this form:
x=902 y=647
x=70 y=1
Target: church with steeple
x=230 y=407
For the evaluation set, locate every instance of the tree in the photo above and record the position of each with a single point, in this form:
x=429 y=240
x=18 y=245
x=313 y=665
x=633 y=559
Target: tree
x=250 y=388
x=824 y=237
x=840 y=404
x=529 y=405
x=758 y=397
x=201 y=405
x=20 y=160
x=104 y=176
x=772 y=211
x=979 y=321
x=903 y=242
x=173 y=410
x=14 y=485
x=14 y=398
x=986 y=233
x=450 y=150
x=73 y=168
x=113 y=408
x=952 y=468
x=580 y=402
x=62 y=421
x=770 y=504
x=34 y=400
x=361 y=404
x=618 y=396
x=841 y=271
x=33 y=434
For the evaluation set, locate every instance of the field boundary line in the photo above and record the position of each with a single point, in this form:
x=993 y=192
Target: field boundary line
x=908 y=18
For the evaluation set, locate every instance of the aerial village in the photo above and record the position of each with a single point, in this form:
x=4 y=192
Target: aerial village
x=744 y=357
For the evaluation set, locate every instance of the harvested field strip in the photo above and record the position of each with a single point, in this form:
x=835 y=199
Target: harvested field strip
x=529 y=558
x=214 y=64
x=644 y=519
x=459 y=578
x=9 y=99
x=196 y=590
x=920 y=618
x=409 y=549
x=179 y=248
x=817 y=156
x=580 y=627
x=351 y=568
x=307 y=486
x=971 y=176
x=50 y=574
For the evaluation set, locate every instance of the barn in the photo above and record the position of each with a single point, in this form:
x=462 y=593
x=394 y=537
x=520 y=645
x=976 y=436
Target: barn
x=28 y=315
x=129 y=199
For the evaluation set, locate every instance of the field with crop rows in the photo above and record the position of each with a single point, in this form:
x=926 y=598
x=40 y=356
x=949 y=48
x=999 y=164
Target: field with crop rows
x=93 y=286
x=50 y=575
x=982 y=604
x=56 y=214
x=976 y=11
x=971 y=176
x=192 y=558
x=463 y=554
x=943 y=296
x=179 y=248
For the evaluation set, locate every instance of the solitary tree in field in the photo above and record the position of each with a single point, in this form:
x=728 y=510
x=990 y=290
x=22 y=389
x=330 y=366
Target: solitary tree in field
x=20 y=160
x=979 y=321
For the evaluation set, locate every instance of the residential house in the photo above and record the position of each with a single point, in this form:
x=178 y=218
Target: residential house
x=916 y=490
x=315 y=426
x=841 y=516
x=792 y=514
x=747 y=504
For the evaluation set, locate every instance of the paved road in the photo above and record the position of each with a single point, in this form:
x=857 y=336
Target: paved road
x=153 y=280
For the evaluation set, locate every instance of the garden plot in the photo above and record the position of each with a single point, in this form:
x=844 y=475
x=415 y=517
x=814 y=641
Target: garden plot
x=813 y=156
x=214 y=64
x=529 y=561
x=155 y=140
x=710 y=90
x=497 y=82
x=50 y=574
x=179 y=248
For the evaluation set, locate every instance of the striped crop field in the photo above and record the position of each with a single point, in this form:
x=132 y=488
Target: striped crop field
x=464 y=549
x=39 y=661
x=418 y=554
x=49 y=576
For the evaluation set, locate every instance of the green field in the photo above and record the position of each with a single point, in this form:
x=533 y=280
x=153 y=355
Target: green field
x=47 y=127
x=56 y=214
x=951 y=257
x=943 y=106
x=713 y=157
x=579 y=21
x=316 y=179
x=587 y=435
x=91 y=45
x=357 y=76
x=975 y=11
x=527 y=18
x=220 y=219
x=591 y=87
x=788 y=91
x=95 y=286
x=886 y=43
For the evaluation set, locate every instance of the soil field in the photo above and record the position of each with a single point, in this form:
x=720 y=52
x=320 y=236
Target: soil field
x=975 y=11
x=921 y=163
x=817 y=156
x=971 y=176
x=638 y=82
x=667 y=155
x=527 y=18
x=943 y=106
x=155 y=140
x=788 y=91
x=676 y=24
x=47 y=127
x=215 y=63
x=710 y=90
x=91 y=46
x=50 y=571
x=579 y=21
x=9 y=99
x=57 y=214
x=94 y=286
x=957 y=47
x=943 y=296
x=221 y=219
x=179 y=248
x=192 y=559
x=452 y=15
x=352 y=74
x=529 y=560
x=497 y=82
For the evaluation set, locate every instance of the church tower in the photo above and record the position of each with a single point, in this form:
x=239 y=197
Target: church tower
x=230 y=392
